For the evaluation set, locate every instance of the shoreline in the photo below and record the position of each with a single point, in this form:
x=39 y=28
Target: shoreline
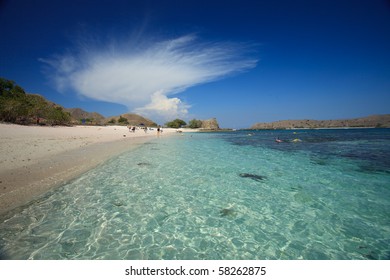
x=34 y=160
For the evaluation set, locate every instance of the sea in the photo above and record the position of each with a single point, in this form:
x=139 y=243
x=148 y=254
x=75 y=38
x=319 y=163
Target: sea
x=318 y=195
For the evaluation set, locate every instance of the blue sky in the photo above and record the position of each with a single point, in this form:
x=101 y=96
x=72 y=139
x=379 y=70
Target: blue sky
x=239 y=61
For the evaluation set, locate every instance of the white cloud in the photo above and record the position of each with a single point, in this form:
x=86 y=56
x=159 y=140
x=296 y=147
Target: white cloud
x=145 y=76
x=161 y=105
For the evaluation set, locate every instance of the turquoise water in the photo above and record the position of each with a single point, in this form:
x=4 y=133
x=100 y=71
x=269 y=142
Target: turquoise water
x=235 y=195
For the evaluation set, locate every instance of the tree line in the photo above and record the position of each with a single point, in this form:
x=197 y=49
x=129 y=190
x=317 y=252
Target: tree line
x=178 y=123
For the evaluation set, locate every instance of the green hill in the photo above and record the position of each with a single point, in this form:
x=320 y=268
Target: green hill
x=17 y=106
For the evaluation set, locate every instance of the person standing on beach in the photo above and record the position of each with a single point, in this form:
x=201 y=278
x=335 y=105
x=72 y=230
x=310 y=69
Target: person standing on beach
x=158 y=131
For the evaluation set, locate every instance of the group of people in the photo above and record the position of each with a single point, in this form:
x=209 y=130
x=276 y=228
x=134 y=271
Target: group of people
x=133 y=128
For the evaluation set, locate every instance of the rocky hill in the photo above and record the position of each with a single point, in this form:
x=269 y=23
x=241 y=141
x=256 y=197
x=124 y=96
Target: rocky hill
x=210 y=124
x=370 y=121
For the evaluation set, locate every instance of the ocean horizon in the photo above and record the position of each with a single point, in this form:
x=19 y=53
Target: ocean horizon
x=317 y=195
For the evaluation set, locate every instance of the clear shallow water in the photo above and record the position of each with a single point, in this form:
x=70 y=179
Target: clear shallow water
x=219 y=196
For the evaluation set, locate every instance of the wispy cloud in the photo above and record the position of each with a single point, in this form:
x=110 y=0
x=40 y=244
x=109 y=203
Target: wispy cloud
x=144 y=76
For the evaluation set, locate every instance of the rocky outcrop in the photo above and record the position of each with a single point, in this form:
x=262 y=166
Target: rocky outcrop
x=211 y=124
x=370 y=121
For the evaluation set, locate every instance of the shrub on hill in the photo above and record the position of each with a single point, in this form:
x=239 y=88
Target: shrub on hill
x=122 y=120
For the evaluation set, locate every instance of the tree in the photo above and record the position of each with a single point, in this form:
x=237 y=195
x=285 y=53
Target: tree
x=177 y=123
x=6 y=86
x=195 y=123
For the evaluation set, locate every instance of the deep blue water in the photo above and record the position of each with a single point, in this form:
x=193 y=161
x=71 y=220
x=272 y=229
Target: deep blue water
x=235 y=195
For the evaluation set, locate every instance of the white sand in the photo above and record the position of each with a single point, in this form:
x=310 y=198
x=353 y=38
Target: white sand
x=35 y=159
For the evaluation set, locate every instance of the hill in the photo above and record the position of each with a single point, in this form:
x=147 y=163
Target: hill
x=17 y=106
x=370 y=121
x=130 y=119
x=80 y=116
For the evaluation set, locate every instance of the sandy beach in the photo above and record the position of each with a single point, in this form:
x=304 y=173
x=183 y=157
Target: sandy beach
x=35 y=159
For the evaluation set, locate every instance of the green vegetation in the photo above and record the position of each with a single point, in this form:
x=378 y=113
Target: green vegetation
x=195 y=123
x=177 y=123
x=16 y=106
x=122 y=120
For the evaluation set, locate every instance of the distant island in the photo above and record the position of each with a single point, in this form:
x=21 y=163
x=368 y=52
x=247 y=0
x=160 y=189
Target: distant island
x=377 y=121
